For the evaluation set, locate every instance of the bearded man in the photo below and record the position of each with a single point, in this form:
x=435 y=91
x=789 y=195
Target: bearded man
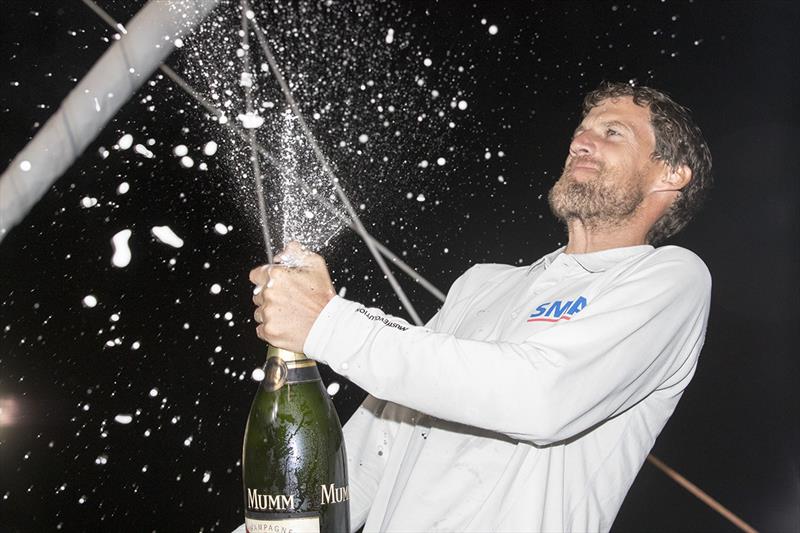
x=532 y=398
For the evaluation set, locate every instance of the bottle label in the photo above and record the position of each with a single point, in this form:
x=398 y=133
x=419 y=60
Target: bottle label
x=305 y=524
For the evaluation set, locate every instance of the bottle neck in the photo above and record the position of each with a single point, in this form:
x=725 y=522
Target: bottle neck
x=286 y=367
x=286 y=355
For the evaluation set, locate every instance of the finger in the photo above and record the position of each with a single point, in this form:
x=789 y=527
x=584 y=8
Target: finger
x=259 y=275
x=276 y=273
x=257 y=315
x=260 y=332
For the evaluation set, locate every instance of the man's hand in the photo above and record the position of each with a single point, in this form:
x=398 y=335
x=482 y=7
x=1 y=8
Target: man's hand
x=290 y=295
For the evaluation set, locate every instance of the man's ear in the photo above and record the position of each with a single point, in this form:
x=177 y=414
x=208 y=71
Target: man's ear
x=674 y=179
x=677 y=178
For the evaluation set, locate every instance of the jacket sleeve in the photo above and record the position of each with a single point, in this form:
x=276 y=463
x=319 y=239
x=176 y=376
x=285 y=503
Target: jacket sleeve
x=640 y=334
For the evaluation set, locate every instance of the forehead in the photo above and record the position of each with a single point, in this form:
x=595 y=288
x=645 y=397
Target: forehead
x=622 y=109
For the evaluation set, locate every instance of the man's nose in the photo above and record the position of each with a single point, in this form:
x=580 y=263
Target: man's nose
x=582 y=144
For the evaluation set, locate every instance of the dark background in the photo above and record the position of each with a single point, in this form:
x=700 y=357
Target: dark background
x=735 y=432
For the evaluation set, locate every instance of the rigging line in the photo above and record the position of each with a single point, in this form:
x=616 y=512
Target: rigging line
x=262 y=203
x=326 y=168
x=701 y=495
x=108 y=19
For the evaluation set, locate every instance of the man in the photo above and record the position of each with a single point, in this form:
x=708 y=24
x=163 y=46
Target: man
x=530 y=401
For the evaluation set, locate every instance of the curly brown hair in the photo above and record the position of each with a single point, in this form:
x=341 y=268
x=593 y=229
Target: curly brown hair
x=679 y=141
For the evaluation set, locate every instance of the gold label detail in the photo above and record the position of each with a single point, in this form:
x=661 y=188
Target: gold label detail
x=286 y=355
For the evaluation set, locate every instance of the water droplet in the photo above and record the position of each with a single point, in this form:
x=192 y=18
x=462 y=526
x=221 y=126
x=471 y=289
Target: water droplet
x=123 y=419
x=125 y=142
x=210 y=148
x=167 y=236
x=122 y=253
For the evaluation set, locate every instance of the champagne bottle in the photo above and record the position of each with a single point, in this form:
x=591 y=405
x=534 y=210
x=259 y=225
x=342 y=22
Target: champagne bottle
x=293 y=459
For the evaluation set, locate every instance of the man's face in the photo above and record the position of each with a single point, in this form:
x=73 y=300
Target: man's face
x=609 y=166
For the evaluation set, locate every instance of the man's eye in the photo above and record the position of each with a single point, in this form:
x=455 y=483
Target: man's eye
x=610 y=132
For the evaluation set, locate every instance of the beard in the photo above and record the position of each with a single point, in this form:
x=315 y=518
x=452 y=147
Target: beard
x=605 y=200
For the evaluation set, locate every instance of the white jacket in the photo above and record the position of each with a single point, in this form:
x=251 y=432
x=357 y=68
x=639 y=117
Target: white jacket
x=543 y=388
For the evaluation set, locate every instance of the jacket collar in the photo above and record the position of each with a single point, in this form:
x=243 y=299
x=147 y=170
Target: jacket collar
x=595 y=261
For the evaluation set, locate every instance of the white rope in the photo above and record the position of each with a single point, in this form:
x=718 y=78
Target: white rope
x=262 y=204
x=701 y=495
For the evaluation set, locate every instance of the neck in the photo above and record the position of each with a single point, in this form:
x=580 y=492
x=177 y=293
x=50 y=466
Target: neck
x=585 y=238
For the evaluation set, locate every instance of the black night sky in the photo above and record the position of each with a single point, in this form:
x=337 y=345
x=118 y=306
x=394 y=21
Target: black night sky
x=171 y=340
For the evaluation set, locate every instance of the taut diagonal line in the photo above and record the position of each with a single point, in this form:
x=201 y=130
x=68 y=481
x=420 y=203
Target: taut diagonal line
x=700 y=494
x=262 y=203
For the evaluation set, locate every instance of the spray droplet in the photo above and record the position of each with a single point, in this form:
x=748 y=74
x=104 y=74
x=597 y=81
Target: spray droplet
x=88 y=201
x=167 y=236
x=122 y=253
x=123 y=419
x=210 y=148
x=250 y=120
x=125 y=142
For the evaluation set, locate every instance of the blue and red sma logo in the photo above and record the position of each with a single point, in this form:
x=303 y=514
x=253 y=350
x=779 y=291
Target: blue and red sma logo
x=557 y=310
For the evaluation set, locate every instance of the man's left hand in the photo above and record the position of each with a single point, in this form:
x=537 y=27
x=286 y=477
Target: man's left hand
x=290 y=295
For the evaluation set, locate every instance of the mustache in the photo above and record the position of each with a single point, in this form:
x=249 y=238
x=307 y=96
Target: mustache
x=584 y=161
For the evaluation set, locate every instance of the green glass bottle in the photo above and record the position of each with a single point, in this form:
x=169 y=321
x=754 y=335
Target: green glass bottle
x=294 y=462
